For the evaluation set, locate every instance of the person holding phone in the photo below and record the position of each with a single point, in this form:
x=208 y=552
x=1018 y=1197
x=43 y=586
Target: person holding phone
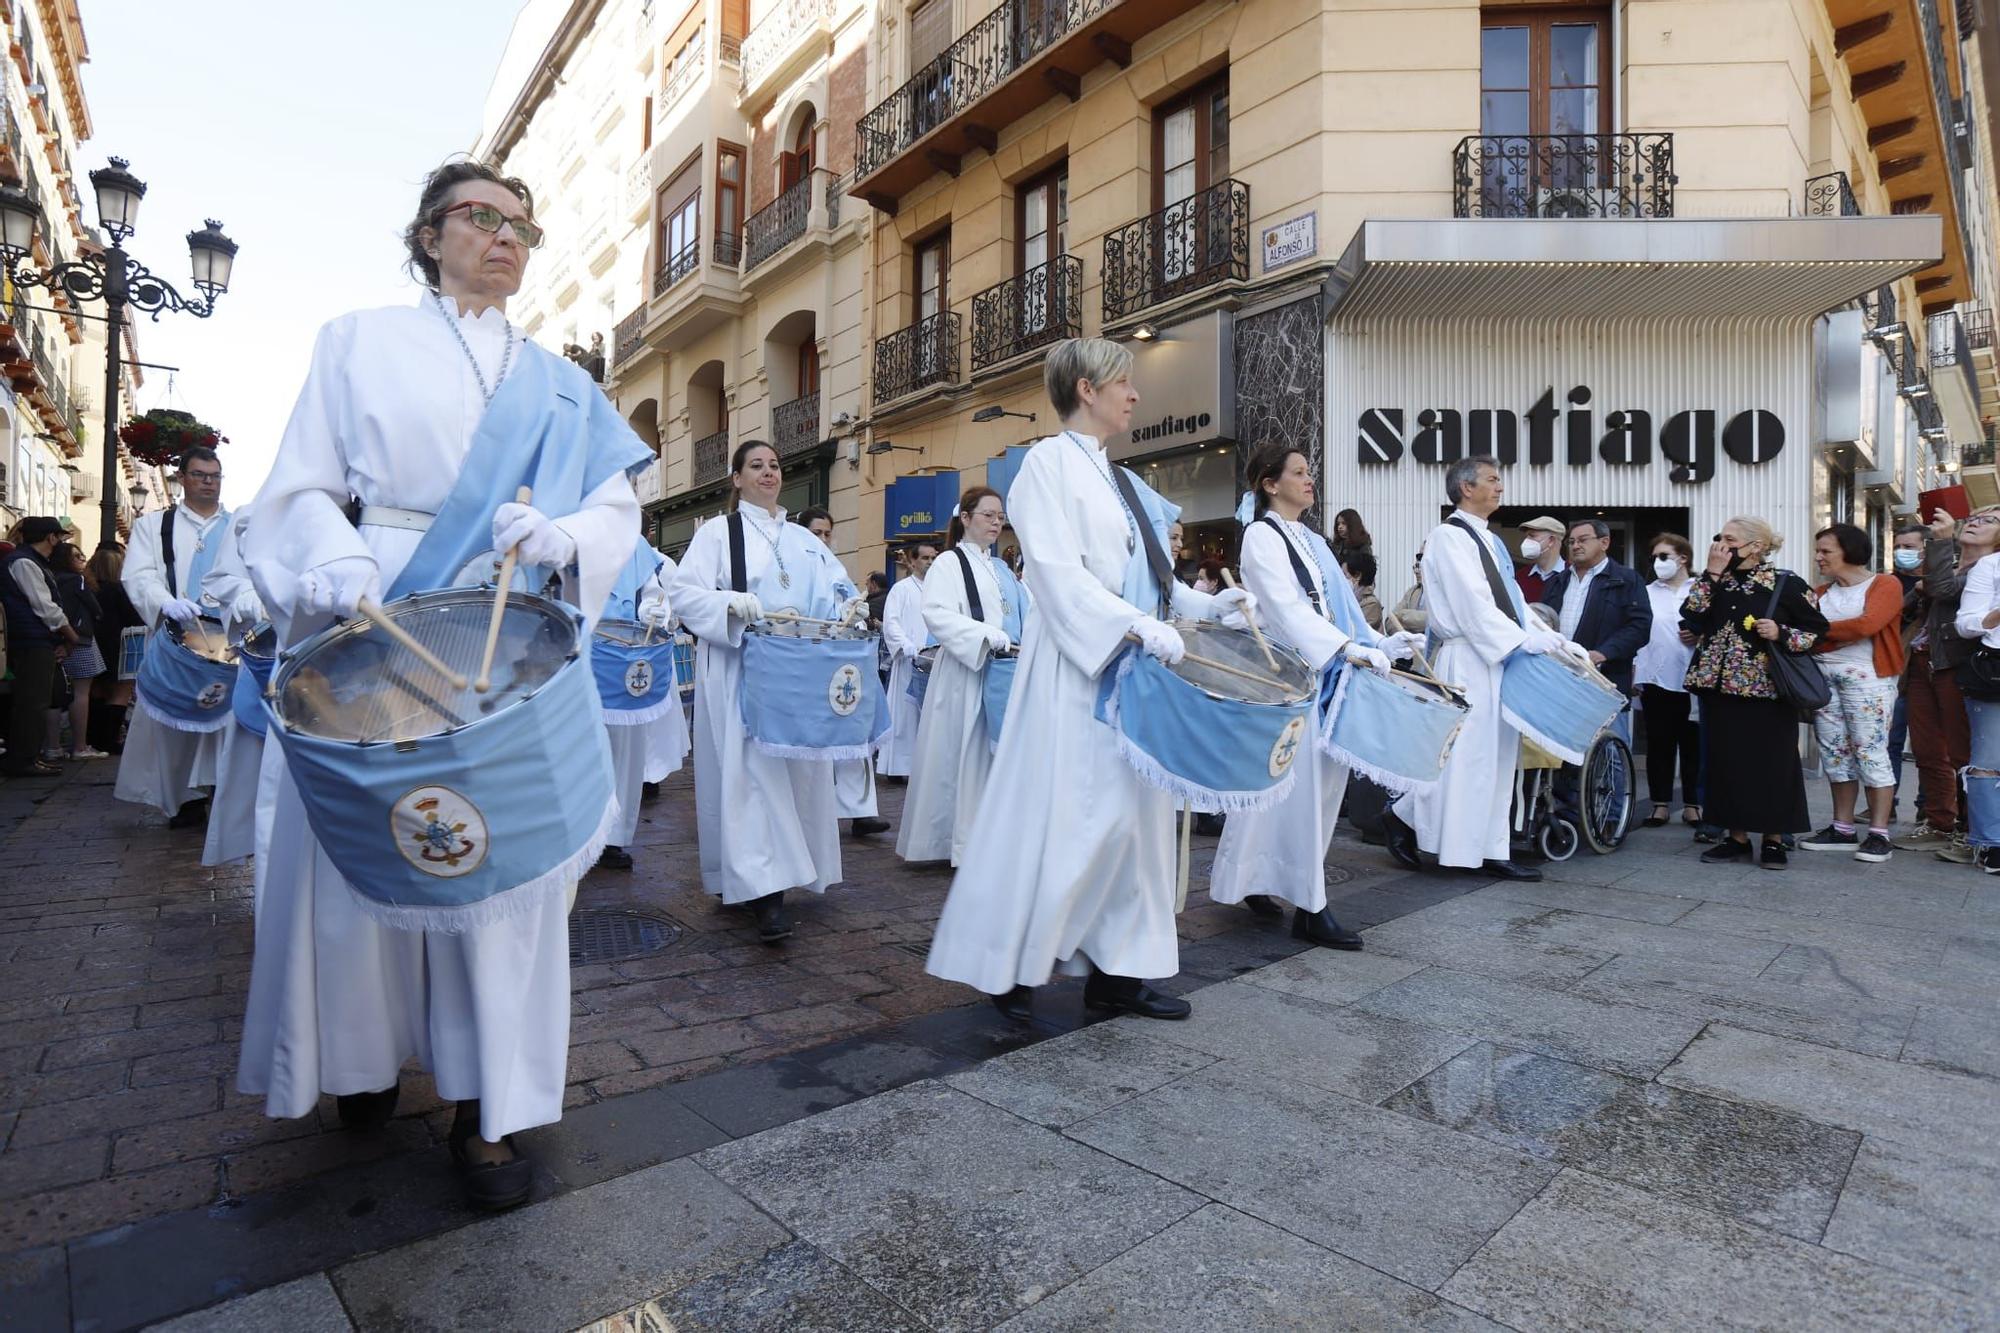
x=1753 y=777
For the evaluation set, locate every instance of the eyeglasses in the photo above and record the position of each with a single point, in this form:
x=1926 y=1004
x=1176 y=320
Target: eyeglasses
x=1982 y=518
x=201 y=476
x=488 y=218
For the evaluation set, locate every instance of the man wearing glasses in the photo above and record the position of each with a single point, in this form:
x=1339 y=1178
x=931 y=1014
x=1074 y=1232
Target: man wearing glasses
x=1600 y=603
x=169 y=555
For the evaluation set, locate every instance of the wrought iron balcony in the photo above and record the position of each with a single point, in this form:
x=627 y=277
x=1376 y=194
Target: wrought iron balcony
x=1042 y=306
x=1563 y=176
x=1831 y=196
x=1186 y=246
x=835 y=187
x=729 y=248
x=627 y=336
x=777 y=224
x=795 y=425
x=681 y=76
x=710 y=458
x=1979 y=329
x=773 y=40
x=917 y=357
x=677 y=266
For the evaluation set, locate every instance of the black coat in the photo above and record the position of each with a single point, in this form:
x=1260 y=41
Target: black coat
x=1617 y=619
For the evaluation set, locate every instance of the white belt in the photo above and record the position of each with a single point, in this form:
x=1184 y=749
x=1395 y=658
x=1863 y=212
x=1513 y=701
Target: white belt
x=388 y=516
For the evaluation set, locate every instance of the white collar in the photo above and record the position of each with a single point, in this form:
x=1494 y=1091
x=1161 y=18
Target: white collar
x=1087 y=441
x=1470 y=517
x=756 y=514
x=975 y=550
x=492 y=317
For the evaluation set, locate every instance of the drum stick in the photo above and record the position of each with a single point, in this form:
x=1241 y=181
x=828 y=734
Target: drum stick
x=485 y=681
x=1223 y=667
x=795 y=616
x=1270 y=659
x=1416 y=653
x=1181 y=871
x=372 y=610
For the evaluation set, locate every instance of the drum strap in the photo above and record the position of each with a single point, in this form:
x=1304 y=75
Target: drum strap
x=1494 y=583
x=1298 y=565
x=971 y=589
x=167 y=548
x=739 y=579
x=1156 y=555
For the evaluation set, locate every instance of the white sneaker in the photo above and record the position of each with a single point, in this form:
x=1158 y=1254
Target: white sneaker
x=89 y=752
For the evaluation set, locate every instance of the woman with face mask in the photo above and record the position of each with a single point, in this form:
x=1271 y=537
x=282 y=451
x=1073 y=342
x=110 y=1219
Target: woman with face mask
x=1659 y=673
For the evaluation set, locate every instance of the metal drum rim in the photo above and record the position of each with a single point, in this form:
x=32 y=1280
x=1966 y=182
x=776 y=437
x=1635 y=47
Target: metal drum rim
x=1309 y=690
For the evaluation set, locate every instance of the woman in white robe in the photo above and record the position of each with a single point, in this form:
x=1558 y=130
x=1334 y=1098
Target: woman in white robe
x=232 y=818
x=953 y=755
x=1280 y=852
x=390 y=408
x=1071 y=861
x=766 y=824
x=904 y=635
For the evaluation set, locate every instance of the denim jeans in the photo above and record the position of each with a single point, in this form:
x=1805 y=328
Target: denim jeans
x=1982 y=775
x=1899 y=735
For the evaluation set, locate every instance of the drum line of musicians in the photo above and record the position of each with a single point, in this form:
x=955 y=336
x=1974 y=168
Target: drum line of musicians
x=1065 y=857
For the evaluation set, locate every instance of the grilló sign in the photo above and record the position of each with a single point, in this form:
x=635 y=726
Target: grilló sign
x=1687 y=440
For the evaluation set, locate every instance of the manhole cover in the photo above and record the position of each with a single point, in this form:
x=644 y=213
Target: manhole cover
x=600 y=935
x=1335 y=875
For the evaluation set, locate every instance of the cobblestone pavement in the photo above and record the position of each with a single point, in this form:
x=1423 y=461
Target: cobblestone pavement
x=123 y=969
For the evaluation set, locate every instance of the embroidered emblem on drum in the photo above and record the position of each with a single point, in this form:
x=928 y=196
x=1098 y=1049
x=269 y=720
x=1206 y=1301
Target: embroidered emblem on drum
x=639 y=678
x=439 y=832
x=213 y=696
x=843 y=692
x=1287 y=747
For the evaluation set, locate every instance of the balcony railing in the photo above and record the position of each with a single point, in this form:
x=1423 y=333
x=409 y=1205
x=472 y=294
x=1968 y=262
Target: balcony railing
x=777 y=224
x=795 y=425
x=710 y=458
x=729 y=248
x=684 y=73
x=677 y=266
x=835 y=187
x=627 y=336
x=917 y=357
x=1831 y=196
x=1042 y=306
x=776 y=37
x=1186 y=246
x=970 y=68
x=639 y=184
x=1946 y=336
x=1979 y=329
x=1563 y=176
x=1976 y=455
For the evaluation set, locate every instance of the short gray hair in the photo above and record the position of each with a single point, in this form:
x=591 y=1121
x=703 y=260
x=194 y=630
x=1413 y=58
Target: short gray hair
x=1465 y=471
x=1095 y=359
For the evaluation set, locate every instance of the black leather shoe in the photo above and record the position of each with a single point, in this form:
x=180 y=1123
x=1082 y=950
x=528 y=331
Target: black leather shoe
x=1015 y=1004
x=649 y=791
x=1208 y=825
x=1507 y=870
x=192 y=815
x=490 y=1186
x=862 y=827
x=1401 y=840
x=614 y=858
x=1129 y=995
x=774 y=923
x=1263 y=904
x=362 y=1112
x=1320 y=928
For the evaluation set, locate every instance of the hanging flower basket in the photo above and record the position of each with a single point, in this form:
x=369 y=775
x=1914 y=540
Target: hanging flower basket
x=161 y=436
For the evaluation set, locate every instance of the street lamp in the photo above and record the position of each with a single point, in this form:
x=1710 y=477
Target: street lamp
x=119 y=281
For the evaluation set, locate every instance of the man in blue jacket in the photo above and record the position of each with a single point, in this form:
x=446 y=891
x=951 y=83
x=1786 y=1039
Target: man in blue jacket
x=1600 y=603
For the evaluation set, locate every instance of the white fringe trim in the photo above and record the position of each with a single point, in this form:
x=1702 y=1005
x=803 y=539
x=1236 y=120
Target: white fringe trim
x=1535 y=734
x=1204 y=800
x=171 y=722
x=517 y=901
x=1399 y=783
x=838 y=754
x=639 y=717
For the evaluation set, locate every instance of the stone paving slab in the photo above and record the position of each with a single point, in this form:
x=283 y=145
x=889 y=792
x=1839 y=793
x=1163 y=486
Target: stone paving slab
x=954 y=1209
x=1590 y=1254
x=1408 y=1198
x=793 y=1287
x=1744 y=1162
x=1598 y=900
x=1219 y=1269
x=1895 y=945
x=1953 y=1039
x=1332 y=976
x=1853 y=973
x=1482 y=953
x=1061 y=1082
x=1931 y=1215
x=307 y=1305
x=1906 y=1103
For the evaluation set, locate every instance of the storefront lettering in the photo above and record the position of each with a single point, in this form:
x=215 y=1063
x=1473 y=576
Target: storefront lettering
x=1687 y=440
x=920 y=519
x=1166 y=426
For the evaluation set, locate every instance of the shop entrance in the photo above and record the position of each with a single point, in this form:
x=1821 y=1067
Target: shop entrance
x=1631 y=530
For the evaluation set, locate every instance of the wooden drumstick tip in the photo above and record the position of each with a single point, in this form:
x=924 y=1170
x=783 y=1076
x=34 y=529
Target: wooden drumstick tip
x=485 y=680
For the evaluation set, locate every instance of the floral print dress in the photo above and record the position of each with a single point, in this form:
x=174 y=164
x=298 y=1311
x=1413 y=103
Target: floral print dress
x=1723 y=609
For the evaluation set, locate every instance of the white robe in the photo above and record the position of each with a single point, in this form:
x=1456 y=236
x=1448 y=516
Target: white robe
x=902 y=635
x=232 y=816
x=765 y=824
x=948 y=769
x=338 y=1002
x=651 y=751
x=1071 y=858
x=1463 y=820
x=854 y=789
x=163 y=767
x=1281 y=851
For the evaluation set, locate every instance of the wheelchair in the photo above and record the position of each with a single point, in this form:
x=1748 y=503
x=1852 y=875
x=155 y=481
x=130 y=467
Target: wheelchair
x=1559 y=807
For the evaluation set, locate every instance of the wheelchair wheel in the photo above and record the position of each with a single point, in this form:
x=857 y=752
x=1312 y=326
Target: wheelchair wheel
x=1604 y=791
x=1556 y=838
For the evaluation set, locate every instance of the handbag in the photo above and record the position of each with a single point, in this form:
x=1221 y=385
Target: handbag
x=1796 y=677
x=1978 y=676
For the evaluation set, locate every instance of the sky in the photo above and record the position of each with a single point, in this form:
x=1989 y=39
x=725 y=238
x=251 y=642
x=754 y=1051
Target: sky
x=307 y=130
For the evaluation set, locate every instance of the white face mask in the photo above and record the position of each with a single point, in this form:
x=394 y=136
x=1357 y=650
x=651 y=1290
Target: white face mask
x=1908 y=559
x=1665 y=566
x=1530 y=549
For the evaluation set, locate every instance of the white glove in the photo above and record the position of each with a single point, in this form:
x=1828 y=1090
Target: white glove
x=338 y=586
x=854 y=611
x=1402 y=647
x=247 y=609
x=745 y=607
x=1548 y=641
x=653 y=611
x=1374 y=659
x=1160 y=639
x=996 y=639
x=540 y=540
x=1233 y=607
x=181 y=609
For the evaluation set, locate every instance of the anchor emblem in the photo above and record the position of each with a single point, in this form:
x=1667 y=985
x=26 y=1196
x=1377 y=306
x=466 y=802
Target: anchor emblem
x=843 y=692
x=439 y=832
x=639 y=679
x=1287 y=747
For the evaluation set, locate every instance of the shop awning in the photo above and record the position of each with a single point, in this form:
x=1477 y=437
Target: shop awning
x=1578 y=268
x=1001 y=468
x=919 y=506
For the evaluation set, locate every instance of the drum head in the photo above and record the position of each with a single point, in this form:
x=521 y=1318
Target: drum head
x=1241 y=671
x=261 y=642
x=354 y=683
x=808 y=629
x=205 y=638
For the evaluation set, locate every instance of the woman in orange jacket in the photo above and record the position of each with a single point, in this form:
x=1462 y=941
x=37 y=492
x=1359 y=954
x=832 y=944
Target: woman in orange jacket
x=1862 y=655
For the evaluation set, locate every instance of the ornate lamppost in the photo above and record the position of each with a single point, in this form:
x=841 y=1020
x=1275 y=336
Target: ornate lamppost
x=117 y=279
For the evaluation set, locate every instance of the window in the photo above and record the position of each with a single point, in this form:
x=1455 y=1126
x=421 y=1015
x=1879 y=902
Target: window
x=728 y=191
x=680 y=223
x=808 y=369
x=646 y=125
x=932 y=265
x=930 y=34
x=1043 y=236
x=796 y=163
x=1191 y=143
x=1542 y=71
